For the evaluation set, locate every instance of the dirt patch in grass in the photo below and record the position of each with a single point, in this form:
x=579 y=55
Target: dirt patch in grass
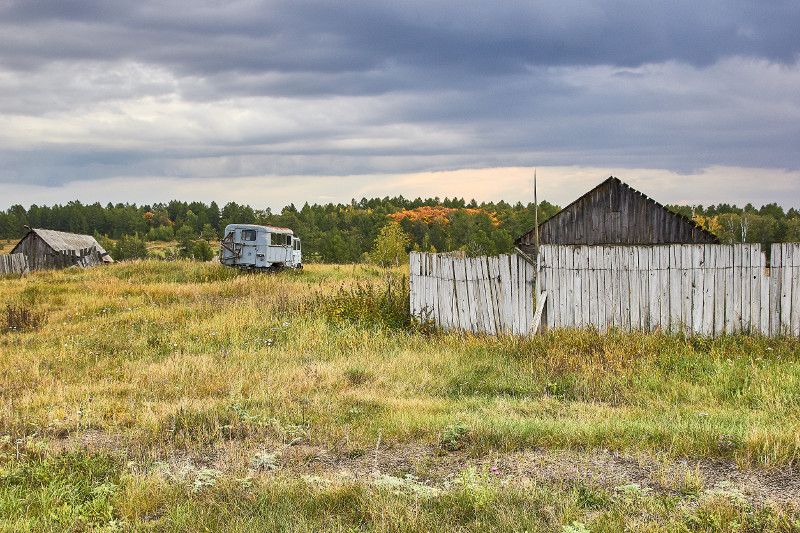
x=433 y=466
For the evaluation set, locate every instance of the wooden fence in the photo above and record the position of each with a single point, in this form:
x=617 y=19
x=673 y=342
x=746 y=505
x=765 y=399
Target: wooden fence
x=704 y=289
x=13 y=263
x=481 y=295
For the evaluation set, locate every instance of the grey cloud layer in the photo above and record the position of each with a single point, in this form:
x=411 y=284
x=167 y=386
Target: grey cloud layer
x=474 y=38
x=96 y=88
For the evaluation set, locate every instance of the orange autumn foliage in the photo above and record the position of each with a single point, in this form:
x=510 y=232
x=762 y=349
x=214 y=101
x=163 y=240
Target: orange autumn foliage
x=436 y=214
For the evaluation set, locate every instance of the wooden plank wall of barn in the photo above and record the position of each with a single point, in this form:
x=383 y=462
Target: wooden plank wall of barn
x=696 y=289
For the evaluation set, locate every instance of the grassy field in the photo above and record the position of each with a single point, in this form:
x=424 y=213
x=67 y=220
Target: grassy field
x=179 y=396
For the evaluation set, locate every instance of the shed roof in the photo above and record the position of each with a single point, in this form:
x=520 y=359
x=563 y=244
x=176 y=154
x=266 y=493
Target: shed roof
x=61 y=241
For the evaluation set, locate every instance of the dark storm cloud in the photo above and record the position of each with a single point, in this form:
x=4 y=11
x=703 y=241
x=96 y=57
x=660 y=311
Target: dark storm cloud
x=474 y=38
x=94 y=88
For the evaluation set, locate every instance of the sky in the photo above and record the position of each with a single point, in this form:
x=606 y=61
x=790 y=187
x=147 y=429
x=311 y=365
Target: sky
x=272 y=102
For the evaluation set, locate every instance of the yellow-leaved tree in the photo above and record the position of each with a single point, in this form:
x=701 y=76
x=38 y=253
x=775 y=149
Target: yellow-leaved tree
x=390 y=246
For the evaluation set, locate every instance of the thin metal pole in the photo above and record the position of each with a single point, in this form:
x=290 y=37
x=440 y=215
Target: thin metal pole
x=535 y=214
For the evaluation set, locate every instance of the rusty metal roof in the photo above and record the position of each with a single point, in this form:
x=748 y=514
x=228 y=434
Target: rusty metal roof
x=61 y=241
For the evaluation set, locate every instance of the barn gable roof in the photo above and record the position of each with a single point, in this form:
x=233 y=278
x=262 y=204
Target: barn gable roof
x=646 y=221
x=61 y=241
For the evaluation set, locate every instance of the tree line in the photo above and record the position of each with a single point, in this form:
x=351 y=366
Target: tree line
x=342 y=233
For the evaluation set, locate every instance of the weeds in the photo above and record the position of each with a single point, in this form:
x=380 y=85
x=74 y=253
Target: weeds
x=369 y=304
x=22 y=317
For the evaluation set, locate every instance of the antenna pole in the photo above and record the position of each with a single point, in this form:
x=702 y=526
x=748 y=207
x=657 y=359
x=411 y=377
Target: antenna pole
x=535 y=214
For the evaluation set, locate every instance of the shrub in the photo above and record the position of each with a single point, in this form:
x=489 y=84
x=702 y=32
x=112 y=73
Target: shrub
x=129 y=247
x=202 y=251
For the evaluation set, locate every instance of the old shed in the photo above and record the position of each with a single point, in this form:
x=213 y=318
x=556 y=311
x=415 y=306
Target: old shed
x=47 y=249
x=615 y=213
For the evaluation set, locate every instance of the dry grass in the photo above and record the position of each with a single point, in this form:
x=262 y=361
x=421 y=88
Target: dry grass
x=180 y=359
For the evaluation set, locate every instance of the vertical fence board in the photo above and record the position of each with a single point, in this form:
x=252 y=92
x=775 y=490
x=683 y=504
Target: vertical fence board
x=795 y=276
x=765 y=296
x=494 y=272
x=476 y=302
x=515 y=299
x=594 y=298
x=775 y=289
x=786 y=289
x=697 y=288
x=726 y=256
x=632 y=264
x=544 y=279
x=453 y=287
x=718 y=262
x=736 y=303
x=585 y=286
x=653 y=289
x=599 y=309
x=530 y=292
x=608 y=283
x=643 y=277
x=565 y=286
x=754 y=273
x=746 y=284
x=675 y=291
x=486 y=295
x=708 y=272
x=505 y=295
x=687 y=259
x=663 y=286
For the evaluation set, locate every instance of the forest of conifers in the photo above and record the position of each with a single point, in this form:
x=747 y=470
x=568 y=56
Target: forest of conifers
x=342 y=233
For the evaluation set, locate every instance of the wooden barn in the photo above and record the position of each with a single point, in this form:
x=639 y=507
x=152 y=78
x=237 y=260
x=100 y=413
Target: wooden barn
x=47 y=249
x=614 y=213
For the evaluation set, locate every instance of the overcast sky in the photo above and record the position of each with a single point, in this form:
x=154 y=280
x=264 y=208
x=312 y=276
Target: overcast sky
x=268 y=102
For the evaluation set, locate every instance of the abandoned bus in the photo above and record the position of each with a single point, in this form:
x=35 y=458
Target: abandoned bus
x=267 y=248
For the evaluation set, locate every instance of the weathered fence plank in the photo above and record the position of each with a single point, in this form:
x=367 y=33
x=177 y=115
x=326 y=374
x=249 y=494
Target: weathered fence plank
x=13 y=264
x=786 y=289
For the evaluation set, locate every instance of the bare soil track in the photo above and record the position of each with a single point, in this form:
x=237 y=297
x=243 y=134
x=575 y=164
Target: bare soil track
x=434 y=466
